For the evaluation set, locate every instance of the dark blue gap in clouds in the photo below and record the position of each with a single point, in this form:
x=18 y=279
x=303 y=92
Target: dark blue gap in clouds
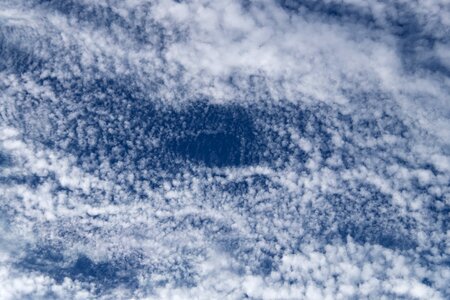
x=212 y=149
x=215 y=136
x=134 y=131
x=108 y=274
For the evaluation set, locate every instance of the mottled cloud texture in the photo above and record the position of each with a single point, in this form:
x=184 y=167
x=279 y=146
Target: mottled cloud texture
x=266 y=149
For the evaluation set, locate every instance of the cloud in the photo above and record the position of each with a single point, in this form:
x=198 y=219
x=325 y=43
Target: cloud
x=197 y=149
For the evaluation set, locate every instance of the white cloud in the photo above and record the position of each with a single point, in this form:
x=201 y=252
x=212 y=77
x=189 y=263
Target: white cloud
x=348 y=200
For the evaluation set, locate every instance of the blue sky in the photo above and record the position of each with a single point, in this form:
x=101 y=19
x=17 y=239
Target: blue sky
x=224 y=149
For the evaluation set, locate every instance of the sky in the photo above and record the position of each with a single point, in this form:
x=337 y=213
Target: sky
x=253 y=149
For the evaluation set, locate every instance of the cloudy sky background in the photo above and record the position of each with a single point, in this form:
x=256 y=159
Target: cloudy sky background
x=224 y=149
